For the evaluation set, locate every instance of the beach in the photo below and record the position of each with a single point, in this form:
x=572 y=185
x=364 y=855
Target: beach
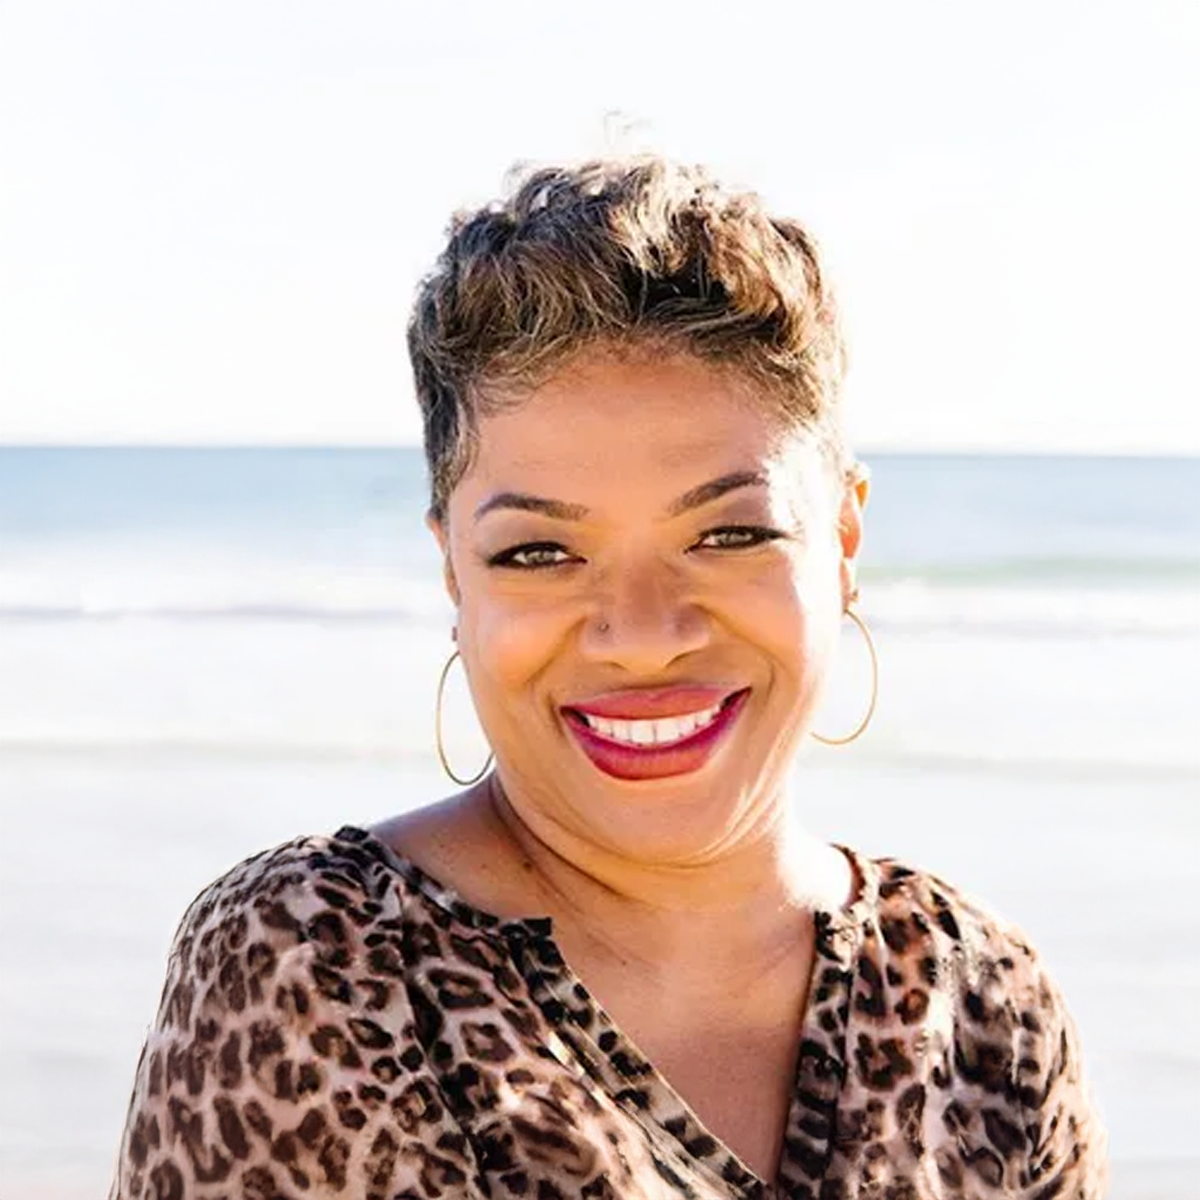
x=204 y=653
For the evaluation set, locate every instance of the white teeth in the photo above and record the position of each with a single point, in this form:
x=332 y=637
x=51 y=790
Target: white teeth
x=659 y=732
x=642 y=733
x=669 y=729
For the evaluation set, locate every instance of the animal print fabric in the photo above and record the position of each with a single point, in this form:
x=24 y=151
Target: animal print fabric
x=337 y=1024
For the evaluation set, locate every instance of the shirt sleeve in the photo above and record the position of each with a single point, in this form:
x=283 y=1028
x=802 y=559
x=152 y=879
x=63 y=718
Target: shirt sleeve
x=283 y=1060
x=1067 y=1144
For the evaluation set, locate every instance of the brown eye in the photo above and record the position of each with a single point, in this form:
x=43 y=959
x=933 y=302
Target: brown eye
x=737 y=537
x=531 y=556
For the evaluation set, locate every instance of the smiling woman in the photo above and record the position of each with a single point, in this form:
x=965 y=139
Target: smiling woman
x=670 y=556
x=616 y=965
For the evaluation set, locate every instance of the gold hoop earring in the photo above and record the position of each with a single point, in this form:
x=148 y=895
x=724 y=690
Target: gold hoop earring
x=437 y=730
x=862 y=725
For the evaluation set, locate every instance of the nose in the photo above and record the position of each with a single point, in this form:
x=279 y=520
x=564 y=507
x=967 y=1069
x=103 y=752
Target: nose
x=644 y=619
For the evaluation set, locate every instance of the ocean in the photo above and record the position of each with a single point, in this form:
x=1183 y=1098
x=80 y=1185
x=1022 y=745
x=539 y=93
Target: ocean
x=206 y=651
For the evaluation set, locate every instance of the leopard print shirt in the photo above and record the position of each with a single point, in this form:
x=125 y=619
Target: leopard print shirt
x=337 y=1024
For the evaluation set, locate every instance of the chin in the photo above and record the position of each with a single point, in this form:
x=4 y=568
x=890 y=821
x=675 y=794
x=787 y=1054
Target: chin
x=677 y=821
x=671 y=806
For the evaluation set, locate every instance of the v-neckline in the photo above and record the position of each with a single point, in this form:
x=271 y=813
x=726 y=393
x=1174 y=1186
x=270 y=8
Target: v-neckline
x=603 y=1051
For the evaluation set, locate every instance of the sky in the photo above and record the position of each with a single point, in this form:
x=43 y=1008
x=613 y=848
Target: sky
x=213 y=213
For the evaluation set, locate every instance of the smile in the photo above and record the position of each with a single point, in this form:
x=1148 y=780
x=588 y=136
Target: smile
x=664 y=731
x=653 y=735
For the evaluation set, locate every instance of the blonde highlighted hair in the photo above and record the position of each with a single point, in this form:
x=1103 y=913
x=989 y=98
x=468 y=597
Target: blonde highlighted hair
x=634 y=253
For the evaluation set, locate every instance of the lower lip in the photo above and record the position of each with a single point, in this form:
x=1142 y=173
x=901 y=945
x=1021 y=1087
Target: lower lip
x=623 y=761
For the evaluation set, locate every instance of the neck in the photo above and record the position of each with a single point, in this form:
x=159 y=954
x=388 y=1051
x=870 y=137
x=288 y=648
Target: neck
x=748 y=901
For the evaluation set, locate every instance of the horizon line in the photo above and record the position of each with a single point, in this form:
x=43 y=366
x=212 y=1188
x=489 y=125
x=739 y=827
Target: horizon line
x=866 y=452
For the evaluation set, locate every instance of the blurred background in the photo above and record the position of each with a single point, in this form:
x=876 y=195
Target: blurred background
x=221 y=621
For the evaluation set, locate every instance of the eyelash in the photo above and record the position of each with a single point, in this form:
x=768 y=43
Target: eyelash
x=751 y=535
x=508 y=558
x=754 y=535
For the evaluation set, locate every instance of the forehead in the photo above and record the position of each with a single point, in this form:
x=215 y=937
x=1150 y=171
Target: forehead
x=607 y=429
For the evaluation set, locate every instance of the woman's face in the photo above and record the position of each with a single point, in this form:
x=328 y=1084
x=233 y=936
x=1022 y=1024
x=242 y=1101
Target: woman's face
x=649 y=573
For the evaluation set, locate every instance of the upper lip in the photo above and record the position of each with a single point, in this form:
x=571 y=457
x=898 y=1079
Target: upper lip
x=635 y=704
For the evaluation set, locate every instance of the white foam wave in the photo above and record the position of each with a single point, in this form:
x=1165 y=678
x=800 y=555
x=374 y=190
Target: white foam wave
x=361 y=690
x=914 y=604
x=247 y=590
x=135 y=746
x=304 y=591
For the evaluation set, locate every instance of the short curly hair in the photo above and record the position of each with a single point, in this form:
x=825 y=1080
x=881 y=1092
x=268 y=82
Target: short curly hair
x=630 y=253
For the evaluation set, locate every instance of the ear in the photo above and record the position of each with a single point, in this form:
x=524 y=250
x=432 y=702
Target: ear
x=441 y=534
x=850 y=528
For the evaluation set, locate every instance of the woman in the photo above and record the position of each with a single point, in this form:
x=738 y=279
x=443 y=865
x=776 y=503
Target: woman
x=613 y=965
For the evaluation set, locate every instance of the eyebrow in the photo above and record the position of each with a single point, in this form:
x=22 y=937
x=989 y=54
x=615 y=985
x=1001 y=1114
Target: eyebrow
x=560 y=510
x=706 y=493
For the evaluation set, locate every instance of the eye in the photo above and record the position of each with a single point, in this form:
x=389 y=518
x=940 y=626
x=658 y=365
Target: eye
x=737 y=537
x=532 y=556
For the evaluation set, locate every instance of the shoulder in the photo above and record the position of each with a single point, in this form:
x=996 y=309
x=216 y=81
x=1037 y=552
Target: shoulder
x=284 y=1035
x=944 y=947
x=305 y=918
x=280 y=893
x=919 y=914
x=980 y=1019
x=281 y=890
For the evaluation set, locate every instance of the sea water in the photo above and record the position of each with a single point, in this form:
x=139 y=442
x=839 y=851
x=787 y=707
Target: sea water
x=203 y=652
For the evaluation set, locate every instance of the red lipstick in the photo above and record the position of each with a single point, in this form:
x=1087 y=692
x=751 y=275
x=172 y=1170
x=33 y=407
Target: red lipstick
x=623 y=760
x=640 y=704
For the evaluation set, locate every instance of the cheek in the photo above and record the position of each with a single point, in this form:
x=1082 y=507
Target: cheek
x=506 y=634
x=509 y=642
x=792 y=613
